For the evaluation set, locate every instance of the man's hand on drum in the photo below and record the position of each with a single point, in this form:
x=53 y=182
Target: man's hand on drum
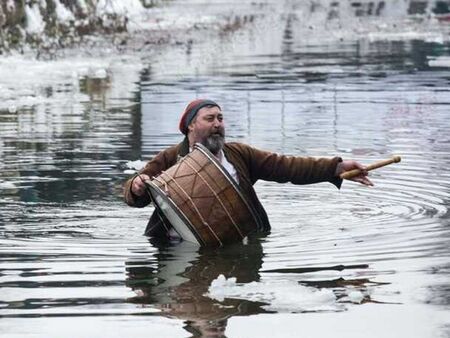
x=138 y=186
x=350 y=165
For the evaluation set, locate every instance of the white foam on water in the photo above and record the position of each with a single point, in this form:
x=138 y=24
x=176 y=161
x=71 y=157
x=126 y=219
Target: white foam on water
x=7 y=185
x=135 y=165
x=280 y=295
x=440 y=61
x=405 y=35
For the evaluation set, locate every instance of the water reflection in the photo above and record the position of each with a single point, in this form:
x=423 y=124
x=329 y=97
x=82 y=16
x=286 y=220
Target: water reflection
x=178 y=280
x=57 y=168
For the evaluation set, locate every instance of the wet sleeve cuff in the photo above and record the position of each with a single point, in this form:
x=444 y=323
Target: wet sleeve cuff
x=336 y=180
x=134 y=200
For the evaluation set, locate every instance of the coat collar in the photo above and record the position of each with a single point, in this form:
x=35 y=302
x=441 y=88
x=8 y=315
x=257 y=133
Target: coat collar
x=183 y=150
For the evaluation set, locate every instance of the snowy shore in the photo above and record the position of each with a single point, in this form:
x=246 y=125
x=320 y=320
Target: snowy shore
x=111 y=62
x=48 y=25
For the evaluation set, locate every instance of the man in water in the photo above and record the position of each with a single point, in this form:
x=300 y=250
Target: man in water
x=203 y=122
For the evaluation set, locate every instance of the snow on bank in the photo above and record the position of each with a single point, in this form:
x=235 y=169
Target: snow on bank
x=323 y=19
x=35 y=22
x=25 y=82
x=120 y=7
x=40 y=21
x=63 y=14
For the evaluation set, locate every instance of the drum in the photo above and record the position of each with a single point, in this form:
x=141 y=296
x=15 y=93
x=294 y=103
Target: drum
x=202 y=201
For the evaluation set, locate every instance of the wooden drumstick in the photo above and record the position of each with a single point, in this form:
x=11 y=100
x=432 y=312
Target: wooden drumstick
x=355 y=172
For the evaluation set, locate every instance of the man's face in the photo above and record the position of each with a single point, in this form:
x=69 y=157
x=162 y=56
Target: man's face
x=208 y=129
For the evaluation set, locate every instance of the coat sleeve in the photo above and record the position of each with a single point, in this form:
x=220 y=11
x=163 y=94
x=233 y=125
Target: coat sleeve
x=297 y=170
x=153 y=168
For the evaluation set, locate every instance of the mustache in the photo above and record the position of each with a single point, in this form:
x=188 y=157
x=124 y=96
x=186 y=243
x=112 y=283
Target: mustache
x=218 y=133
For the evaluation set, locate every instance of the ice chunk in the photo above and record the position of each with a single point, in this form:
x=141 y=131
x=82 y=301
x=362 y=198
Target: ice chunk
x=280 y=295
x=135 y=165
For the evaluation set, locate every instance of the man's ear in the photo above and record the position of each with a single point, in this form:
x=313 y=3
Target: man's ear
x=190 y=127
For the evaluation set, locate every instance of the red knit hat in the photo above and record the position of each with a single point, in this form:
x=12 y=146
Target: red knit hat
x=192 y=110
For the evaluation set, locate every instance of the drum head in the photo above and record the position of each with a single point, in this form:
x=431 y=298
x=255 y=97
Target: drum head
x=175 y=216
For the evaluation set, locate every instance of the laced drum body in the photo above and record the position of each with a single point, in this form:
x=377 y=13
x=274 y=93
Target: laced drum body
x=202 y=201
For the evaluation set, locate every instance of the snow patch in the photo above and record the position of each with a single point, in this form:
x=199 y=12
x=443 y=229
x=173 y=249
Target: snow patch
x=62 y=12
x=35 y=22
x=120 y=7
x=82 y=5
x=10 y=5
x=355 y=297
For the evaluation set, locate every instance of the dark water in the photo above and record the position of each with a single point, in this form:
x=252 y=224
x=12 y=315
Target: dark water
x=74 y=262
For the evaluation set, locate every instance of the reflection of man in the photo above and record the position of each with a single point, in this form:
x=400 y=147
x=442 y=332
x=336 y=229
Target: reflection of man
x=178 y=283
x=203 y=122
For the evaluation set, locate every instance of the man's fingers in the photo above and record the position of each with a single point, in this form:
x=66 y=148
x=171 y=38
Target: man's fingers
x=366 y=182
x=135 y=188
x=138 y=186
x=363 y=180
x=361 y=177
x=359 y=166
x=363 y=168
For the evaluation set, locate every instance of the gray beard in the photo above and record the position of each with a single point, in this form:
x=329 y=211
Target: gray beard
x=214 y=143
